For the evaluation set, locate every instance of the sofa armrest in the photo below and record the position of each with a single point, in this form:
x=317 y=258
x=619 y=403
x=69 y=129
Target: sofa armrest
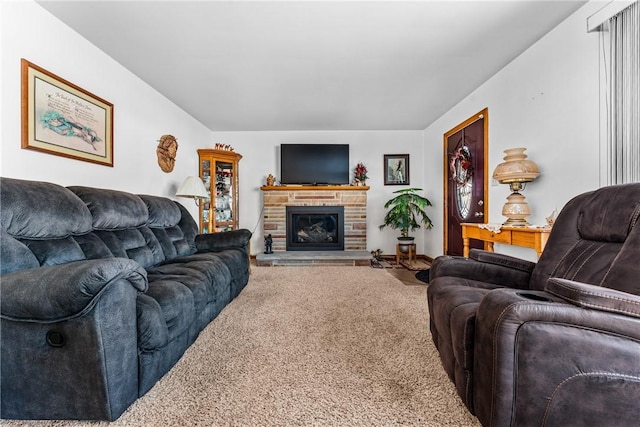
x=216 y=242
x=61 y=292
x=484 y=266
x=69 y=340
x=502 y=260
x=532 y=343
x=595 y=297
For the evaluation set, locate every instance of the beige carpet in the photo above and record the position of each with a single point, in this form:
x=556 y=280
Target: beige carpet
x=307 y=346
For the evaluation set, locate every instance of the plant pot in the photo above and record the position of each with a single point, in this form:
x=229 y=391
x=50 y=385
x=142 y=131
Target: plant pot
x=404 y=243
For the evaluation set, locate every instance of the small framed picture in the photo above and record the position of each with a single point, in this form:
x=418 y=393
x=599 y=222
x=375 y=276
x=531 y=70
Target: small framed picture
x=396 y=169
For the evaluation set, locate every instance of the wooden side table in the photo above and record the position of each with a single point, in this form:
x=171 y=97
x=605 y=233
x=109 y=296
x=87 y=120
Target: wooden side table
x=528 y=237
x=411 y=254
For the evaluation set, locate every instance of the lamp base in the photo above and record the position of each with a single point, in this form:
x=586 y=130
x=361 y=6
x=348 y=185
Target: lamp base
x=515 y=223
x=516 y=210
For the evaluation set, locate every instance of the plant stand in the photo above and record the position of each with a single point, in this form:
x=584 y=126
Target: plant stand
x=411 y=254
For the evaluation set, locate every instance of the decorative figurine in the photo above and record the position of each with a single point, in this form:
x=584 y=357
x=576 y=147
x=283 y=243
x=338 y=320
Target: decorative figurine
x=268 y=242
x=552 y=218
x=223 y=147
x=270 y=180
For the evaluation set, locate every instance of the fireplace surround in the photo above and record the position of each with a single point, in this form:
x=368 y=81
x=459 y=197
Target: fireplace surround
x=352 y=198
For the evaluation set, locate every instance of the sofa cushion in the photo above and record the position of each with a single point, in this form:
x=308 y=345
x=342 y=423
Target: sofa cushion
x=607 y=216
x=41 y=210
x=15 y=255
x=55 y=251
x=120 y=222
x=177 y=305
x=163 y=212
x=196 y=282
x=93 y=247
x=137 y=243
x=172 y=241
x=592 y=239
x=166 y=222
x=218 y=270
x=152 y=327
x=111 y=209
x=452 y=306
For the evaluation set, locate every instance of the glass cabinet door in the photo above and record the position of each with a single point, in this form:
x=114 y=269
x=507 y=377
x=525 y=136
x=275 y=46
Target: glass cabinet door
x=219 y=173
x=224 y=196
x=205 y=204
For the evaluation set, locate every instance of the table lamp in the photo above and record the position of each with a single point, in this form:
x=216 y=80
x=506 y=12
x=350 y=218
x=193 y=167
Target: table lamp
x=516 y=171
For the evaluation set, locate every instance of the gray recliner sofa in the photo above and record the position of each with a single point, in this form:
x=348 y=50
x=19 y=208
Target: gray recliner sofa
x=102 y=292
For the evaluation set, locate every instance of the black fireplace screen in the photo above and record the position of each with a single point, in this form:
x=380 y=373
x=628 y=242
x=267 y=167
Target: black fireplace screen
x=314 y=228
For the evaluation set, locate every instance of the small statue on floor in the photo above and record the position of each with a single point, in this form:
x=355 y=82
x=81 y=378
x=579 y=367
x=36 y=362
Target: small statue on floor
x=268 y=243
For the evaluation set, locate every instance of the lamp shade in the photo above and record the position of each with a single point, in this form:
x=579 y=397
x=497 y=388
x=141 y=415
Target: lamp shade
x=192 y=187
x=516 y=167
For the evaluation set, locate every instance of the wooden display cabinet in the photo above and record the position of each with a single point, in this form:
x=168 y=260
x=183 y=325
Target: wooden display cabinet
x=219 y=173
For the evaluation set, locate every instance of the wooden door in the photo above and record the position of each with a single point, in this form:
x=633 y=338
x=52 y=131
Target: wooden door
x=465 y=179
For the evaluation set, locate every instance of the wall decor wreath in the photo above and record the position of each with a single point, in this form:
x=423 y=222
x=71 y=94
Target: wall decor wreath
x=461 y=166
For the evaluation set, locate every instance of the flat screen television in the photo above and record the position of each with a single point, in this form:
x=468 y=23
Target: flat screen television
x=314 y=164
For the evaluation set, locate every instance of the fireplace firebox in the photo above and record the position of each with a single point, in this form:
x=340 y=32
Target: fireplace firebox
x=315 y=228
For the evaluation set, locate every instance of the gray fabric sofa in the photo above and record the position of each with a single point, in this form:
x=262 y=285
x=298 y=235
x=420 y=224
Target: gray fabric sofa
x=552 y=343
x=102 y=292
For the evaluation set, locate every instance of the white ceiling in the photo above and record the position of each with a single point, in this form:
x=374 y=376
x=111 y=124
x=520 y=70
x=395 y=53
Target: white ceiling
x=323 y=65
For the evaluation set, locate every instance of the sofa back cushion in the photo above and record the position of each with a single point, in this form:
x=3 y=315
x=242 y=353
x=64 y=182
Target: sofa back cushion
x=172 y=225
x=111 y=209
x=120 y=222
x=595 y=240
x=47 y=224
x=39 y=222
x=41 y=210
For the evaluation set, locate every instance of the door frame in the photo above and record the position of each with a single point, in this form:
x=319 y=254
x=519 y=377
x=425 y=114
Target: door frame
x=482 y=114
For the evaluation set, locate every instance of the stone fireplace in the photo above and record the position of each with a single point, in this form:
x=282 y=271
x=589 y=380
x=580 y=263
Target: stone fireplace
x=315 y=228
x=352 y=199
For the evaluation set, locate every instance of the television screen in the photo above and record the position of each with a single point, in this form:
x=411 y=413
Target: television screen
x=314 y=164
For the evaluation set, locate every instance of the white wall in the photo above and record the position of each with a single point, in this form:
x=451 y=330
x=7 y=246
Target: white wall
x=545 y=100
x=141 y=115
x=260 y=152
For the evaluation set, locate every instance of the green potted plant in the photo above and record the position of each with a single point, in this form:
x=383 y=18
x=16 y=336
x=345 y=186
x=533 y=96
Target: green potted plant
x=406 y=213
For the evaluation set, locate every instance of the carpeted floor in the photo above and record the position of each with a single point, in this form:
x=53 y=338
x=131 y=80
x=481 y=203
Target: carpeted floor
x=321 y=346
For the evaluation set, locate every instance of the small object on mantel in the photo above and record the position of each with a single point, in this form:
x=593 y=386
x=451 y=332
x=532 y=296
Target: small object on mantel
x=270 y=180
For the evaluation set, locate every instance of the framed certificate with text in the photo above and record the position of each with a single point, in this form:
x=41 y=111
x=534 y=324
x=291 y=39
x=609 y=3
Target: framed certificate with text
x=61 y=118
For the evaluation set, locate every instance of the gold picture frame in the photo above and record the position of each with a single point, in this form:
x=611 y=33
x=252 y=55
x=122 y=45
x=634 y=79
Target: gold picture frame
x=63 y=119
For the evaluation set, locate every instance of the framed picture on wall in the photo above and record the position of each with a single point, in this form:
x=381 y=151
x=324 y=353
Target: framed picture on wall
x=61 y=118
x=396 y=169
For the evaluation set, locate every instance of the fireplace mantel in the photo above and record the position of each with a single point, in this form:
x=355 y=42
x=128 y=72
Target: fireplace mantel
x=314 y=188
x=352 y=197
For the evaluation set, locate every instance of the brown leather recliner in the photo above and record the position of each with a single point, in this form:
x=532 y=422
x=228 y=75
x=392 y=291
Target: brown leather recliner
x=552 y=343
